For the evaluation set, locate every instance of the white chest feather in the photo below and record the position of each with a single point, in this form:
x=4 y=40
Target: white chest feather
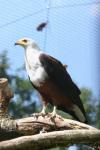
x=34 y=69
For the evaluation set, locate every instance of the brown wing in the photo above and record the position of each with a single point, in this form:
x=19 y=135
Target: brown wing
x=59 y=75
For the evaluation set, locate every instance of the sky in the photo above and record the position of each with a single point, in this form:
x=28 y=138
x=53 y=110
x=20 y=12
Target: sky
x=70 y=36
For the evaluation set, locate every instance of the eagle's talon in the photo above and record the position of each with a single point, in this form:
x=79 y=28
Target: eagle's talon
x=52 y=118
x=43 y=114
x=36 y=115
x=58 y=116
x=53 y=114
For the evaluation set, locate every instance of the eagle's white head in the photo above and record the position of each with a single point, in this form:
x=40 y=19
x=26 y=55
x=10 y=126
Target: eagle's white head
x=27 y=43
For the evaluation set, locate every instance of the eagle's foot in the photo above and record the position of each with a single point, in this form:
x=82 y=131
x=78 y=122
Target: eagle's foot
x=55 y=115
x=59 y=117
x=52 y=117
x=36 y=115
x=43 y=114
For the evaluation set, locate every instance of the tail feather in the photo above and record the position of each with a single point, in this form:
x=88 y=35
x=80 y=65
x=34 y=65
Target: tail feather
x=77 y=110
x=76 y=113
x=79 y=114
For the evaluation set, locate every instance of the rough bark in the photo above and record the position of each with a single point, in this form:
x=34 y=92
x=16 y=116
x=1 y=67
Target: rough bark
x=52 y=139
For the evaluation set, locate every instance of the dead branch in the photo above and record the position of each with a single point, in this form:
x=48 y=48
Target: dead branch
x=52 y=139
x=32 y=125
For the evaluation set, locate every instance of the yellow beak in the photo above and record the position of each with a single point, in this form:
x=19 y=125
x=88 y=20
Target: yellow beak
x=19 y=43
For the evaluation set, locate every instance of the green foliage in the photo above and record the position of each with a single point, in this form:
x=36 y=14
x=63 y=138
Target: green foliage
x=98 y=115
x=89 y=102
x=4 y=66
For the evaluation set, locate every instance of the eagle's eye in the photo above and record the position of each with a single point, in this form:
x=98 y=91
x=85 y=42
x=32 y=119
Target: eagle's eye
x=25 y=41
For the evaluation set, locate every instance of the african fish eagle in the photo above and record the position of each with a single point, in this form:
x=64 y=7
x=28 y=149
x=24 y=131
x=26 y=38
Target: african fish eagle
x=51 y=79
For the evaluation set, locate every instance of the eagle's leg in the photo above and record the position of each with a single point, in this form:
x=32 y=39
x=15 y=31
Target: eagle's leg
x=42 y=113
x=54 y=113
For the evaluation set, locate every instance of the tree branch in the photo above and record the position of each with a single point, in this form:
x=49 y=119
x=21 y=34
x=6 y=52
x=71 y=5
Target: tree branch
x=52 y=139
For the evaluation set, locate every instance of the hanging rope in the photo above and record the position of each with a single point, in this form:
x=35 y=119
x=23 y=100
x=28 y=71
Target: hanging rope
x=47 y=21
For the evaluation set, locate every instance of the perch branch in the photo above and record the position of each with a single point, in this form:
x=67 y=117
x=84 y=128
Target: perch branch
x=52 y=139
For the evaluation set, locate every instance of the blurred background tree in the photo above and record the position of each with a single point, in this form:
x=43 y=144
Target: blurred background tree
x=24 y=102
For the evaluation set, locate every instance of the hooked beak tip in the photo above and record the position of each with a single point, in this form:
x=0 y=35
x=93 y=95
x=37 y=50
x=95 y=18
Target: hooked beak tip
x=15 y=44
